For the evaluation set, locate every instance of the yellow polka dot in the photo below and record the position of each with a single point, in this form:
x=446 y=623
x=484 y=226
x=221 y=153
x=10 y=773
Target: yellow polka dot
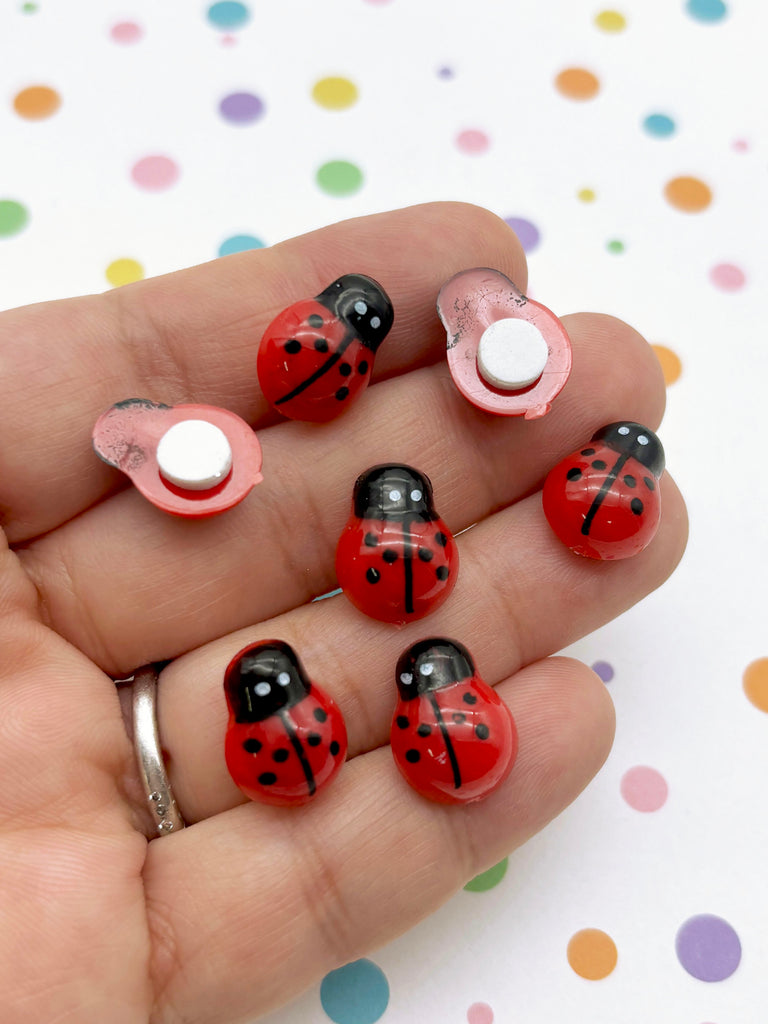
x=586 y=195
x=670 y=363
x=334 y=93
x=124 y=271
x=611 y=21
x=577 y=84
x=756 y=683
x=36 y=102
x=592 y=954
x=688 y=194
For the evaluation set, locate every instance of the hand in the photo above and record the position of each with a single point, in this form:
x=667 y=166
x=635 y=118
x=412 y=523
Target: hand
x=239 y=912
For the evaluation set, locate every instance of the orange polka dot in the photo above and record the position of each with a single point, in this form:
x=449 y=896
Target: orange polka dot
x=592 y=954
x=688 y=194
x=670 y=363
x=36 y=102
x=577 y=84
x=756 y=683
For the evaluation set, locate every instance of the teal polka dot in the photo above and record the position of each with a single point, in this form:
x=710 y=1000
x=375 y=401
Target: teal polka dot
x=706 y=10
x=659 y=125
x=239 y=243
x=228 y=14
x=355 y=994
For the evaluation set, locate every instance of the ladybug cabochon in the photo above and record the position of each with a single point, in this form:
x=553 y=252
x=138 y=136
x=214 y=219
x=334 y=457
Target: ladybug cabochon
x=316 y=357
x=189 y=460
x=603 y=500
x=286 y=738
x=507 y=354
x=453 y=738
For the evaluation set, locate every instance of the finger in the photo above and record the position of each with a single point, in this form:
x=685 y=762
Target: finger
x=521 y=596
x=183 y=583
x=339 y=890
x=193 y=337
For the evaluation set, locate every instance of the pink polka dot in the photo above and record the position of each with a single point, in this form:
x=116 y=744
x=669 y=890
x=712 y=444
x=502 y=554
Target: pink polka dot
x=479 y=1013
x=155 y=173
x=472 y=141
x=727 y=277
x=228 y=40
x=126 y=32
x=378 y=3
x=644 y=788
x=741 y=145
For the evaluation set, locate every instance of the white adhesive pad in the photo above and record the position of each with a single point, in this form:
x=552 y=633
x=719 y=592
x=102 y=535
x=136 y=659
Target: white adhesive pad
x=512 y=354
x=195 y=455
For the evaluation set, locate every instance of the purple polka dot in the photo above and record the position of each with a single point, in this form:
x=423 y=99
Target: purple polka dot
x=604 y=670
x=445 y=72
x=708 y=948
x=241 y=108
x=527 y=232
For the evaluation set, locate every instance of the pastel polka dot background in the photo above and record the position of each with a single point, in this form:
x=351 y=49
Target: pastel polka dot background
x=626 y=146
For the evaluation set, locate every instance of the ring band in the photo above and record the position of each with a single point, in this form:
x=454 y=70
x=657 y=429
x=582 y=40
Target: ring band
x=146 y=741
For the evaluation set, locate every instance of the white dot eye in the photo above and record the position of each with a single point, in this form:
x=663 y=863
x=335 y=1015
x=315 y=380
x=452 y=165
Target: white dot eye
x=360 y=307
x=375 y=322
x=283 y=679
x=406 y=678
x=427 y=669
x=642 y=439
x=395 y=495
x=262 y=689
x=416 y=495
x=623 y=430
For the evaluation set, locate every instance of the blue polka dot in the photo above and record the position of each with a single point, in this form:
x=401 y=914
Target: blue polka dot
x=239 y=243
x=659 y=125
x=706 y=10
x=355 y=994
x=228 y=14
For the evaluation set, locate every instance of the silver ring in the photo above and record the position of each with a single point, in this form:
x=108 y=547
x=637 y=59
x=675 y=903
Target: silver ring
x=146 y=741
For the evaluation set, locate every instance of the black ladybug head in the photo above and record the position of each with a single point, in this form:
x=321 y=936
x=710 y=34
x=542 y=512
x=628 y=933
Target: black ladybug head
x=393 y=492
x=361 y=303
x=432 y=664
x=264 y=678
x=637 y=441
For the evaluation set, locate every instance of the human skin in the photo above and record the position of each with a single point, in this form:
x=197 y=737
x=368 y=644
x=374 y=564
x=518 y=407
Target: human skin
x=250 y=904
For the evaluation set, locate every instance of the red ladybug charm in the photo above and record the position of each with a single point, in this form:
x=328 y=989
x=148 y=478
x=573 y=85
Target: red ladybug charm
x=286 y=738
x=316 y=356
x=453 y=738
x=507 y=354
x=603 y=500
x=396 y=559
x=190 y=460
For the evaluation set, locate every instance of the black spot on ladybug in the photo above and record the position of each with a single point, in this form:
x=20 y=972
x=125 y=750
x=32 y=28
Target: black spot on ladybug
x=389 y=556
x=315 y=320
x=341 y=394
x=267 y=779
x=636 y=505
x=424 y=729
x=345 y=369
x=371 y=540
x=362 y=366
x=413 y=756
x=459 y=717
x=320 y=715
x=442 y=572
x=321 y=345
x=574 y=474
x=252 y=746
x=280 y=755
x=649 y=483
x=469 y=698
x=599 y=464
x=441 y=539
x=482 y=731
x=402 y=722
x=630 y=481
x=373 y=575
x=292 y=347
x=587 y=451
x=334 y=748
x=426 y=555
x=314 y=739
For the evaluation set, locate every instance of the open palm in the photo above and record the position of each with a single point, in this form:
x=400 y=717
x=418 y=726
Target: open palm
x=249 y=904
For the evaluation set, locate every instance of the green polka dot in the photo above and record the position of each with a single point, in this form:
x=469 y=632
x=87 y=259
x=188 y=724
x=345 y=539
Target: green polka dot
x=488 y=879
x=615 y=246
x=13 y=217
x=29 y=8
x=339 y=178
